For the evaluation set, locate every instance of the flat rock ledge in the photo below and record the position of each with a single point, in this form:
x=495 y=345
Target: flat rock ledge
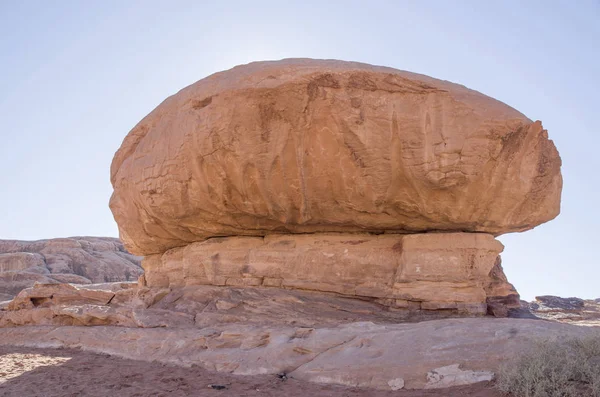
x=313 y=336
x=430 y=354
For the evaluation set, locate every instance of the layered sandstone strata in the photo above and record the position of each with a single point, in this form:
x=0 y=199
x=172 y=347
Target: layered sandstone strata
x=79 y=260
x=450 y=271
x=305 y=148
x=255 y=330
x=566 y=310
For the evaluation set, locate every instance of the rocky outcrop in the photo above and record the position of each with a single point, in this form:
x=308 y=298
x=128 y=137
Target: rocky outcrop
x=335 y=176
x=19 y=261
x=78 y=260
x=501 y=296
x=124 y=304
x=566 y=310
x=318 y=337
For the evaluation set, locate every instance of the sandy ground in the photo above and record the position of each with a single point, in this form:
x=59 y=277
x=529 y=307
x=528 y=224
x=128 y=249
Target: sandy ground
x=28 y=372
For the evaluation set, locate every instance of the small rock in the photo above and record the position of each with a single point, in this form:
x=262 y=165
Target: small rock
x=217 y=387
x=396 y=384
x=226 y=305
x=452 y=375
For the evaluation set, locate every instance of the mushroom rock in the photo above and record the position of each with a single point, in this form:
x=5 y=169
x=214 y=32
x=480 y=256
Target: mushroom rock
x=334 y=176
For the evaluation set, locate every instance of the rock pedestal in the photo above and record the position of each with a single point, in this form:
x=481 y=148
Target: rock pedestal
x=334 y=176
x=429 y=271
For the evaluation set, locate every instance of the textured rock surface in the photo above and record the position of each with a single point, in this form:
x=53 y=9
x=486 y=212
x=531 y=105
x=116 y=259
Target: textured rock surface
x=566 y=310
x=501 y=296
x=123 y=304
x=13 y=282
x=356 y=354
x=435 y=271
x=22 y=261
x=303 y=146
x=117 y=304
x=94 y=375
x=78 y=260
x=319 y=337
x=453 y=375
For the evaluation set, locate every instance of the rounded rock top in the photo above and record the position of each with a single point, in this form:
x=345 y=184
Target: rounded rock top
x=306 y=146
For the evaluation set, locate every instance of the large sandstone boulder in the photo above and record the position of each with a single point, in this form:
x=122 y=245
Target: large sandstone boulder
x=78 y=260
x=304 y=146
x=335 y=176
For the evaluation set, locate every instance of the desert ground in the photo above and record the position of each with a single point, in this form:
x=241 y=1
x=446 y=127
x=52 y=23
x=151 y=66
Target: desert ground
x=67 y=372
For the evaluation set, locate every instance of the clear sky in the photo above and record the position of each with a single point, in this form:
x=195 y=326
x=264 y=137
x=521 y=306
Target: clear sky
x=76 y=76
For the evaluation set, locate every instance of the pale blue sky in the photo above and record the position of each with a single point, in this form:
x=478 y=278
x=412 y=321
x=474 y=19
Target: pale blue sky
x=76 y=76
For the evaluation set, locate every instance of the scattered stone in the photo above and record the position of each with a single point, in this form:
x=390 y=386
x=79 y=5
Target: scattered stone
x=226 y=305
x=452 y=375
x=396 y=384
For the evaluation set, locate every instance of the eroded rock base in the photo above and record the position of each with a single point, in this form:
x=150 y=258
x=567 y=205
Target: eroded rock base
x=320 y=337
x=127 y=305
x=456 y=272
x=430 y=354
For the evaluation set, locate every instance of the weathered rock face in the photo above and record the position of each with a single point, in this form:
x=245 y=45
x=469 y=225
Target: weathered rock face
x=21 y=261
x=78 y=260
x=447 y=271
x=566 y=310
x=501 y=296
x=335 y=176
x=124 y=304
x=304 y=146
